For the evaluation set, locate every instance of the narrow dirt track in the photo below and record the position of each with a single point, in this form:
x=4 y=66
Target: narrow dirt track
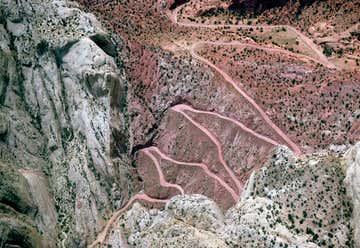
x=264 y=48
x=337 y=36
x=236 y=122
x=266 y=118
x=203 y=166
x=180 y=109
x=162 y=179
x=173 y=18
x=306 y=40
x=138 y=197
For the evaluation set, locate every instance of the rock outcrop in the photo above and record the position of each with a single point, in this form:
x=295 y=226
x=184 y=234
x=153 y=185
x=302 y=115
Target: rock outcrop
x=293 y=202
x=88 y=120
x=352 y=182
x=56 y=77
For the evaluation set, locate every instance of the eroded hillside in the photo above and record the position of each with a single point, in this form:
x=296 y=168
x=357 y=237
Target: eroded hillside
x=228 y=126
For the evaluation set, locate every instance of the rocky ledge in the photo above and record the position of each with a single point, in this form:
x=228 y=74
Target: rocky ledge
x=59 y=178
x=72 y=152
x=306 y=201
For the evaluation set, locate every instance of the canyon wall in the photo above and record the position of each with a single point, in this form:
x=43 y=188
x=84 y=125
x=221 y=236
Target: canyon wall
x=60 y=89
x=89 y=119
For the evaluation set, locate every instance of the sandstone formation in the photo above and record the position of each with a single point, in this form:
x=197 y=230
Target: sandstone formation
x=152 y=124
x=293 y=202
x=56 y=107
x=352 y=182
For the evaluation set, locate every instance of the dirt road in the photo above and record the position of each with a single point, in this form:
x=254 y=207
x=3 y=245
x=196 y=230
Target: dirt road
x=305 y=40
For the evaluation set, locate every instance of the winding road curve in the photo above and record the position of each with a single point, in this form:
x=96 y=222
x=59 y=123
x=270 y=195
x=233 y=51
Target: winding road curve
x=162 y=179
x=203 y=166
x=181 y=109
x=256 y=46
x=237 y=123
x=289 y=142
x=306 y=40
x=138 y=197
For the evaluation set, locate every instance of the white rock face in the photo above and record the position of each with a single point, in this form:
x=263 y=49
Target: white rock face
x=352 y=182
x=292 y=202
x=253 y=219
x=192 y=225
x=56 y=114
x=187 y=221
x=198 y=210
x=44 y=201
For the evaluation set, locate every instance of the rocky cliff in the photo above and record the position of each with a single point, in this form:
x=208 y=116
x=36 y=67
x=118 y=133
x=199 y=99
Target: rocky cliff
x=119 y=138
x=352 y=182
x=60 y=89
x=293 y=202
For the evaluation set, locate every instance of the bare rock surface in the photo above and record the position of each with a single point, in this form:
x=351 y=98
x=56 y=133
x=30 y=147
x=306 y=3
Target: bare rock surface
x=56 y=73
x=94 y=122
x=352 y=182
x=293 y=202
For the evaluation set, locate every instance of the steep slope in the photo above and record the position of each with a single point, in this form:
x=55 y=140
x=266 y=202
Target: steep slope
x=172 y=108
x=352 y=183
x=292 y=202
x=60 y=90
